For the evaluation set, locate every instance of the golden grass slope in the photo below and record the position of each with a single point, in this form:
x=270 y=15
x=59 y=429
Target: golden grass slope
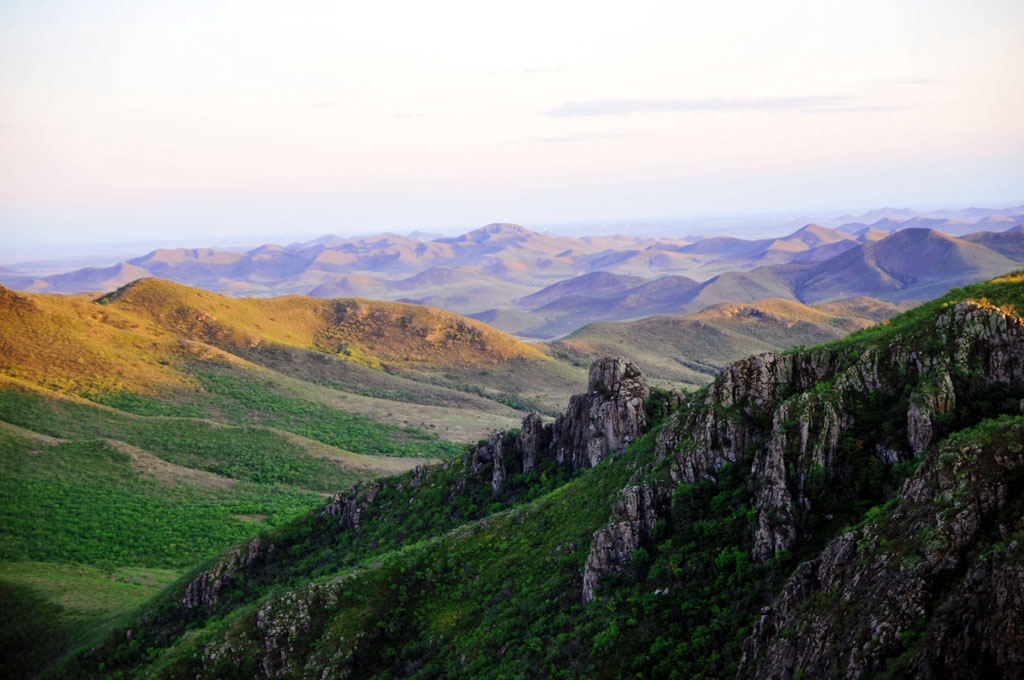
x=150 y=337
x=71 y=345
x=367 y=331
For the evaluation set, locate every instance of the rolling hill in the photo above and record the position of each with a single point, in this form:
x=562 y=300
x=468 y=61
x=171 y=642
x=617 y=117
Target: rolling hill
x=910 y=264
x=690 y=350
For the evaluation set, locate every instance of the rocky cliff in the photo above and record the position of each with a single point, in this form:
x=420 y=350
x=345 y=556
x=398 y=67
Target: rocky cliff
x=932 y=588
x=631 y=525
x=788 y=411
x=607 y=418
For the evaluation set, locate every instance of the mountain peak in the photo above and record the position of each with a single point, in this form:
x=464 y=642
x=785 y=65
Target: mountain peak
x=504 y=228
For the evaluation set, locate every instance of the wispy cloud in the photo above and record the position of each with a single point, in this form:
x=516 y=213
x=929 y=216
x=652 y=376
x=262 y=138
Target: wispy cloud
x=394 y=116
x=606 y=107
x=861 y=109
x=582 y=138
x=526 y=70
x=905 y=80
x=324 y=105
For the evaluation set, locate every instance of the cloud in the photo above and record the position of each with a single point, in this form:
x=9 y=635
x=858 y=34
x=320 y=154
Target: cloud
x=324 y=105
x=606 y=107
x=905 y=80
x=861 y=109
x=526 y=70
x=394 y=116
x=582 y=138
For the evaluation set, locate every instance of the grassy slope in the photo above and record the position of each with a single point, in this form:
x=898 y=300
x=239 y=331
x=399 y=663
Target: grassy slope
x=426 y=344
x=129 y=443
x=691 y=349
x=147 y=337
x=427 y=589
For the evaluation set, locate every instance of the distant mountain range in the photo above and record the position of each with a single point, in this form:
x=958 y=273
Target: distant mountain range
x=911 y=264
x=543 y=286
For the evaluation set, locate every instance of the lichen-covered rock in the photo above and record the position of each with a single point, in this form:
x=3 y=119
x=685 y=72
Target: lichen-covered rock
x=927 y=568
x=804 y=435
x=932 y=398
x=631 y=524
x=534 y=441
x=607 y=418
x=203 y=590
x=350 y=507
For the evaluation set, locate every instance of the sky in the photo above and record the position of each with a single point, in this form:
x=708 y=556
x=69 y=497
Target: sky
x=127 y=120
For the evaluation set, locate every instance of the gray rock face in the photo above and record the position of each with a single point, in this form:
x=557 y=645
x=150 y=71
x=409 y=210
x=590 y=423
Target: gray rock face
x=204 y=588
x=873 y=592
x=748 y=410
x=534 y=441
x=350 y=507
x=630 y=526
x=605 y=419
x=931 y=399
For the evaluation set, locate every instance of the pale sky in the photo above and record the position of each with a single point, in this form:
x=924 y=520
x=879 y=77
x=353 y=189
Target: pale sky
x=130 y=120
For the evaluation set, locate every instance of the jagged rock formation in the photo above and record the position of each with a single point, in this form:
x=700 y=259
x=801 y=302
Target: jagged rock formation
x=631 y=524
x=203 y=590
x=884 y=590
x=350 y=508
x=608 y=417
x=749 y=409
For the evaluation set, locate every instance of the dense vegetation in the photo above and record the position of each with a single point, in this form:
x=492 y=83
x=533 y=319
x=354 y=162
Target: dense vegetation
x=82 y=502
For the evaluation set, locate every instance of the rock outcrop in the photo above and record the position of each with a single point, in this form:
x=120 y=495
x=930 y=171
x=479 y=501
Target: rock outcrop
x=607 y=418
x=630 y=526
x=350 y=507
x=203 y=590
x=764 y=408
x=937 y=584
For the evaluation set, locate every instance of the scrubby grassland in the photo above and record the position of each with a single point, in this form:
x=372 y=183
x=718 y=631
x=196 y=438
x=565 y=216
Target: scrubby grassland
x=51 y=609
x=247 y=453
x=84 y=502
x=445 y=579
x=86 y=538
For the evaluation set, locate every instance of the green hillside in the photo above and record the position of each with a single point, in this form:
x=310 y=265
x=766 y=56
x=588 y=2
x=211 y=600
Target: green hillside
x=147 y=430
x=453 y=571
